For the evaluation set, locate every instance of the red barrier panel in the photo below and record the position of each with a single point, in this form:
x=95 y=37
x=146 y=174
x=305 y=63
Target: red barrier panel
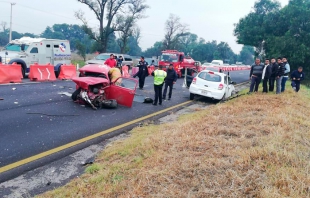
x=67 y=72
x=125 y=71
x=151 y=69
x=42 y=72
x=134 y=70
x=10 y=73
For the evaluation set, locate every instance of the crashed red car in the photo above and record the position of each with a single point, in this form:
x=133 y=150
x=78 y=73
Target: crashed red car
x=94 y=87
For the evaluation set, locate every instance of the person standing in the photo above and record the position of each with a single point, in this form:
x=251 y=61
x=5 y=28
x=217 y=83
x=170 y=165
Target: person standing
x=286 y=73
x=120 y=61
x=159 y=79
x=297 y=76
x=143 y=72
x=111 y=62
x=170 y=81
x=256 y=75
x=274 y=70
x=279 y=75
x=266 y=75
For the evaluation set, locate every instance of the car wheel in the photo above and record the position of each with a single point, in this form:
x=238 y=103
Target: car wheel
x=75 y=94
x=191 y=96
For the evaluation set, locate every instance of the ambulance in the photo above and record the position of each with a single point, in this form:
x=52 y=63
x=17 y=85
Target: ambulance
x=27 y=51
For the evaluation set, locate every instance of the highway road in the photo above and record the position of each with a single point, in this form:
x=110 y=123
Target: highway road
x=38 y=117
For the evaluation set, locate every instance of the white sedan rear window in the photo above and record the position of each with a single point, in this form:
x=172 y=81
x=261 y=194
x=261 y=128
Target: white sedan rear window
x=210 y=77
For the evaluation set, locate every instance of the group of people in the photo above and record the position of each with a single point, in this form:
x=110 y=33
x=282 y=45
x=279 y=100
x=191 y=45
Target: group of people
x=274 y=72
x=161 y=78
x=113 y=61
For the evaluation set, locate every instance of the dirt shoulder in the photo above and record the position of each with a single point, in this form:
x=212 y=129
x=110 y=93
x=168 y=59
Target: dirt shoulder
x=256 y=145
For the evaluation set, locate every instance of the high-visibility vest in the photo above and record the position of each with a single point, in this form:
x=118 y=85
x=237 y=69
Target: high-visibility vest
x=159 y=77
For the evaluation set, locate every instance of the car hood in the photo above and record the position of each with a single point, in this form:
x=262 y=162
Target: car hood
x=94 y=61
x=97 y=68
x=85 y=82
x=11 y=54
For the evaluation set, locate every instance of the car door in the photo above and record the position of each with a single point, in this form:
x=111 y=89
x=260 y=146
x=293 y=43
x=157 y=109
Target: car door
x=34 y=55
x=122 y=90
x=227 y=86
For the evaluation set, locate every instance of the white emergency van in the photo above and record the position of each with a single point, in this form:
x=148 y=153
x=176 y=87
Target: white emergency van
x=26 y=51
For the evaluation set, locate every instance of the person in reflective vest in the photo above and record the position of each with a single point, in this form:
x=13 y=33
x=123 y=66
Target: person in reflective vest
x=114 y=74
x=159 y=79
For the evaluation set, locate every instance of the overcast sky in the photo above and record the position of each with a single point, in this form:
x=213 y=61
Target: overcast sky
x=209 y=19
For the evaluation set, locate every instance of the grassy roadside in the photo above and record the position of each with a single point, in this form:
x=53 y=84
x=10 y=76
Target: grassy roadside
x=256 y=146
x=80 y=62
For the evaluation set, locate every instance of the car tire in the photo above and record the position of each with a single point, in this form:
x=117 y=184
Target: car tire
x=75 y=94
x=191 y=96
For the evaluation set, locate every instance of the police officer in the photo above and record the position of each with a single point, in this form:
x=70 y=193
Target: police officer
x=143 y=72
x=159 y=79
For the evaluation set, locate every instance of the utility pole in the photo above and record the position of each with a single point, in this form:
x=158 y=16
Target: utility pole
x=11 y=22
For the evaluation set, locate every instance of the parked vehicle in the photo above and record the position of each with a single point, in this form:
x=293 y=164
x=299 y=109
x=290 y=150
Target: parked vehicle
x=26 y=51
x=217 y=62
x=101 y=58
x=206 y=64
x=179 y=60
x=212 y=84
x=93 y=87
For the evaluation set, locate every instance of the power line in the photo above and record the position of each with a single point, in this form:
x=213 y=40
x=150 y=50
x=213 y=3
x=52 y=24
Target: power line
x=62 y=16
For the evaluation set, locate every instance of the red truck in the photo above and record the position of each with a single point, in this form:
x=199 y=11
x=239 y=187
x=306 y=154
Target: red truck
x=179 y=60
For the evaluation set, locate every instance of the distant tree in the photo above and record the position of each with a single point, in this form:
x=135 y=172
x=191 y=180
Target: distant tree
x=250 y=29
x=127 y=23
x=81 y=50
x=155 y=50
x=174 y=30
x=73 y=33
x=247 y=55
x=109 y=10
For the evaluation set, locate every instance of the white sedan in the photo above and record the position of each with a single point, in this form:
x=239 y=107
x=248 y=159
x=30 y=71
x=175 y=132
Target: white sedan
x=212 y=84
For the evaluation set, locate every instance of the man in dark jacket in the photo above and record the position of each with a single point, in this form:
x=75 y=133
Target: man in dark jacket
x=169 y=81
x=266 y=75
x=297 y=76
x=143 y=72
x=256 y=75
x=274 y=70
x=279 y=75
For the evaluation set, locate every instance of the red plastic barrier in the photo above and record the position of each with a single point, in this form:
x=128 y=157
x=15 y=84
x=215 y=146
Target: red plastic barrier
x=42 y=72
x=67 y=72
x=10 y=73
x=151 y=69
x=134 y=70
x=125 y=71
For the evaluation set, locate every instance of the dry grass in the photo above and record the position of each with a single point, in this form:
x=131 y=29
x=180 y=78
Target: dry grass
x=254 y=146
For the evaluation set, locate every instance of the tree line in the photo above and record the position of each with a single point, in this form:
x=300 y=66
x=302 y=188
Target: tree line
x=117 y=31
x=277 y=31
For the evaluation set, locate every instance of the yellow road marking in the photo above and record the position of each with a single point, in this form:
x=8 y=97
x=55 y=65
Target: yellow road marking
x=74 y=143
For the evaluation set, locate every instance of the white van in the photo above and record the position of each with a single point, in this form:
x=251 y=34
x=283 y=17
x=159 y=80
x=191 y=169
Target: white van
x=26 y=51
x=217 y=62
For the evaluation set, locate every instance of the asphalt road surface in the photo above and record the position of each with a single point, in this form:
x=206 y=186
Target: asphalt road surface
x=37 y=117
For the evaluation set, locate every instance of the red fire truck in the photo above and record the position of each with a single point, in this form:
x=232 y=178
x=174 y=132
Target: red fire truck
x=179 y=60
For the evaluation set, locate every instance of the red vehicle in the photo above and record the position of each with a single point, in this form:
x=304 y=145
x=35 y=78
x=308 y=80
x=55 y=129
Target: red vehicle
x=179 y=60
x=93 y=87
